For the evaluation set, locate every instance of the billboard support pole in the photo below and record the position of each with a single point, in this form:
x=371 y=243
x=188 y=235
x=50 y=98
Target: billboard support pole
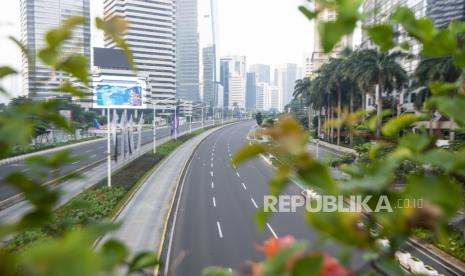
x=154 y=129
x=176 y=122
x=202 y=117
x=108 y=149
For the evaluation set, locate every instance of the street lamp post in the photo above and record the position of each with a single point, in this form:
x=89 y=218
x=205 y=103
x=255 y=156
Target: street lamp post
x=154 y=129
x=108 y=149
x=202 y=117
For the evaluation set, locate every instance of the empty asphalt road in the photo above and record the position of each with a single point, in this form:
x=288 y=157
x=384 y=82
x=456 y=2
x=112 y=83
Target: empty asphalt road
x=213 y=222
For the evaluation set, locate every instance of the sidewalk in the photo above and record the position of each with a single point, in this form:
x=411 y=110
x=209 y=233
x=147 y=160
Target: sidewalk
x=146 y=213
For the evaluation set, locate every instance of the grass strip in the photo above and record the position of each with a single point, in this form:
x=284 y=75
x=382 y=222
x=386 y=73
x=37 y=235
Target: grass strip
x=452 y=243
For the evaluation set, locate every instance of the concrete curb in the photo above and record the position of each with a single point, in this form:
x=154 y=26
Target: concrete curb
x=19 y=158
x=337 y=148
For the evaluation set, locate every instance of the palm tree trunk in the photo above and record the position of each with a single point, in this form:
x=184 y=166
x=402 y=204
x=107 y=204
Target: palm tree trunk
x=309 y=117
x=339 y=117
x=351 y=107
x=319 y=123
x=380 y=88
x=327 y=111
x=331 y=114
x=431 y=124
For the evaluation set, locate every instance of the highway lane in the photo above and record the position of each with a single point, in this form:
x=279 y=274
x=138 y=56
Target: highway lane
x=90 y=154
x=214 y=222
x=215 y=219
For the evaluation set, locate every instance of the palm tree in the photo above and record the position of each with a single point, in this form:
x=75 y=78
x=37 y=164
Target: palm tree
x=336 y=83
x=381 y=70
x=323 y=89
x=317 y=98
x=302 y=91
x=429 y=70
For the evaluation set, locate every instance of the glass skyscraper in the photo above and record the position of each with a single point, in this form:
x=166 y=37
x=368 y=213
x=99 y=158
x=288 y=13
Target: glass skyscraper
x=38 y=17
x=251 y=92
x=187 y=51
x=210 y=95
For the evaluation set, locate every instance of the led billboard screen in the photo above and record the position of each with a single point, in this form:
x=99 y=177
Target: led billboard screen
x=119 y=94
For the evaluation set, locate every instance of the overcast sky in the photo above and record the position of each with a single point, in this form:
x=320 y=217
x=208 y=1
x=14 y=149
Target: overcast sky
x=266 y=31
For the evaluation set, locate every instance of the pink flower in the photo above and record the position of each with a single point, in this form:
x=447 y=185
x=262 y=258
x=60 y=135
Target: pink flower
x=272 y=246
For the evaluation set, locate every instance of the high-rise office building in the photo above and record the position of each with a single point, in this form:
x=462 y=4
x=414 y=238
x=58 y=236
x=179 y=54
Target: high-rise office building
x=251 y=92
x=263 y=96
x=276 y=97
x=444 y=11
x=318 y=56
x=210 y=93
x=152 y=38
x=236 y=80
x=187 y=51
x=37 y=17
x=306 y=65
x=224 y=80
x=262 y=71
x=285 y=77
x=379 y=12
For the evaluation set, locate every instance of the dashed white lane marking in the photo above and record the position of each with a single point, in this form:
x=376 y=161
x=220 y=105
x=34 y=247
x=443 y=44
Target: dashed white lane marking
x=219 y=229
x=213 y=185
x=25 y=170
x=254 y=203
x=211 y=159
x=211 y=165
x=245 y=187
x=77 y=162
x=238 y=175
x=211 y=173
x=214 y=202
x=272 y=231
x=93 y=156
